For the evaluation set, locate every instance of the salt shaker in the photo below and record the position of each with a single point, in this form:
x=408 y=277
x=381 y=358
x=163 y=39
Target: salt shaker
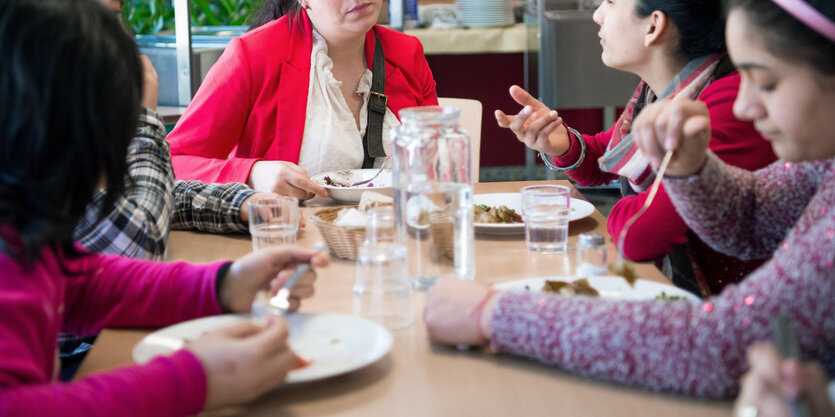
x=591 y=255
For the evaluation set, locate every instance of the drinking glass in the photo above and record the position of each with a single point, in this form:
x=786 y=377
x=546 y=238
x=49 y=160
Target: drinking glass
x=379 y=226
x=382 y=291
x=273 y=221
x=545 y=209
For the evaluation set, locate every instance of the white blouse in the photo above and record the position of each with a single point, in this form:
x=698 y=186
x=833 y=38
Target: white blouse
x=331 y=140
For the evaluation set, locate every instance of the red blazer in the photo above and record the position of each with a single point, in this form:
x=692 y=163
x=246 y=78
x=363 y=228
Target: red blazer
x=658 y=231
x=252 y=104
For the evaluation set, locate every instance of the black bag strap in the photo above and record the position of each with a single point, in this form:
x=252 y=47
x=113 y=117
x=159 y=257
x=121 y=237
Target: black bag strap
x=372 y=142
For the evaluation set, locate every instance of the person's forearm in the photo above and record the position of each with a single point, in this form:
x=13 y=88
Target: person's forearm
x=138 y=223
x=214 y=208
x=172 y=386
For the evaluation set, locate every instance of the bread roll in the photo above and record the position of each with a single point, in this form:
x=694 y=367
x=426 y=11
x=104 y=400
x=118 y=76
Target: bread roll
x=371 y=199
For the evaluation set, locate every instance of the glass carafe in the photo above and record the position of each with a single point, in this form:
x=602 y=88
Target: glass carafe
x=433 y=194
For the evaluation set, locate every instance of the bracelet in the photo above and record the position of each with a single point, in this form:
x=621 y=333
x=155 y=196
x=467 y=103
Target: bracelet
x=475 y=314
x=547 y=159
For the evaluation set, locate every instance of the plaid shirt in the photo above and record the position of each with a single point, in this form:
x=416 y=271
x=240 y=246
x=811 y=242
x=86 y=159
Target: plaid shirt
x=138 y=224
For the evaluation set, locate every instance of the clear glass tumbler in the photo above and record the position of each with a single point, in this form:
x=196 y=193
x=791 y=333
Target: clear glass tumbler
x=382 y=291
x=545 y=209
x=273 y=221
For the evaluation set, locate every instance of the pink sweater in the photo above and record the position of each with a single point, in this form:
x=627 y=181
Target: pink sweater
x=83 y=296
x=785 y=210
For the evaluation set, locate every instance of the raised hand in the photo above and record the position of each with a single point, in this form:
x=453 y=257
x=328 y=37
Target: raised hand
x=537 y=126
x=284 y=178
x=150 y=84
x=682 y=125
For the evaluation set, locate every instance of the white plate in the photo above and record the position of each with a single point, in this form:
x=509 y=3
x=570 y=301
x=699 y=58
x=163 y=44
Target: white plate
x=334 y=344
x=609 y=287
x=579 y=209
x=351 y=195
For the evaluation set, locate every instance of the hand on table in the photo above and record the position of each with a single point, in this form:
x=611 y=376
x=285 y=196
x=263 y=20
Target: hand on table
x=284 y=178
x=772 y=383
x=268 y=268
x=458 y=312
x=244 y=360
x=537 y=126
x=679 y=124
x=244 y=212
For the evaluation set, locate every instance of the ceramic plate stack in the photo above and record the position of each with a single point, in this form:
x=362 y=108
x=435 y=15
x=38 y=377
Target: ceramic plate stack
x=485 y=13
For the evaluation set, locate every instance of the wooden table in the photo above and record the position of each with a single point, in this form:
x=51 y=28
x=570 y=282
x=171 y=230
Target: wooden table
x=419 y=378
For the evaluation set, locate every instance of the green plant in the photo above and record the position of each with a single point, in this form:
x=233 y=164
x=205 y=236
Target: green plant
x=152 y=16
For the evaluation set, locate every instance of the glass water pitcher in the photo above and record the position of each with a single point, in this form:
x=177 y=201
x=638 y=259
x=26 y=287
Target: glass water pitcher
x=433 y=194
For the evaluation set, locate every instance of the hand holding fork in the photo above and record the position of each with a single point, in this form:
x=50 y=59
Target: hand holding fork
x=674 y=135
x=282 y=301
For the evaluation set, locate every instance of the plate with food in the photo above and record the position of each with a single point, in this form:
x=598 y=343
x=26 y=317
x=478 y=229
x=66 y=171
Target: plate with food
x=500 y=213
x=338 y=183
x=329 y=344
x=610 y=287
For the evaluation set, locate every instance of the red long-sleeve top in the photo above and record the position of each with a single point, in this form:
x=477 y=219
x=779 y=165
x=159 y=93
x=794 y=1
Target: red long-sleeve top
x=660 y=230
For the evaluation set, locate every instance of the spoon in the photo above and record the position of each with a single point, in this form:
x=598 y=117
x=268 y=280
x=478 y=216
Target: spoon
x=280 y=302
x=382 y=167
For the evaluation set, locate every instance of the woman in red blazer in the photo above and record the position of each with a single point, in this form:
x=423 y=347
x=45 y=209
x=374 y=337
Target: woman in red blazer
x=247 y=120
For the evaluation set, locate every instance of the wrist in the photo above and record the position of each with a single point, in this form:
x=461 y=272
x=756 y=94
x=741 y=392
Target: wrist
x=481 y=314
x=243 y=213
x=581 y=155
x=487 y=315
x=220 y=282
x=565 y=138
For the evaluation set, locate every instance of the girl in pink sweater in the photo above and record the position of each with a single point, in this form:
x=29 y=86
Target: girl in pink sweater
x=677 y=47
x=786 y=210
x=71 y=84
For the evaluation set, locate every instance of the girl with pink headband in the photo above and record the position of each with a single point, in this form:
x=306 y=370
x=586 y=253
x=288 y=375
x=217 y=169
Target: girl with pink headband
x=786 y=210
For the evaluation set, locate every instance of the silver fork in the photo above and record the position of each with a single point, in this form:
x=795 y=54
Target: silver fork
x=652 y=191
x=280 y=302
x=382 y=167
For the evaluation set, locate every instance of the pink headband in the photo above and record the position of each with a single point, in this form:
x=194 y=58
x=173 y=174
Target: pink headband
x=810 y=16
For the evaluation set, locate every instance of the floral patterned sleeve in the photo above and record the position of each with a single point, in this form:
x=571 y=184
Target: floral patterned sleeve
x=686 y=347
x=740 y=213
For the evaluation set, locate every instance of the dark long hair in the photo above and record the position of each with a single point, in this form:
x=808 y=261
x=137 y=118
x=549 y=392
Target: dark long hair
x=71 y=85
x=271 y=10
x=700 y=23
x=787 y=37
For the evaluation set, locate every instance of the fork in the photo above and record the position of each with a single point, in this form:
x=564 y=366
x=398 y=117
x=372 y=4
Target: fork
x=382 y=167
x=652 y=191
x=786 y=343
x=280 y=302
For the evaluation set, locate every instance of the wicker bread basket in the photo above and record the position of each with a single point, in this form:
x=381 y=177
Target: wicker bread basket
x=343 y=241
